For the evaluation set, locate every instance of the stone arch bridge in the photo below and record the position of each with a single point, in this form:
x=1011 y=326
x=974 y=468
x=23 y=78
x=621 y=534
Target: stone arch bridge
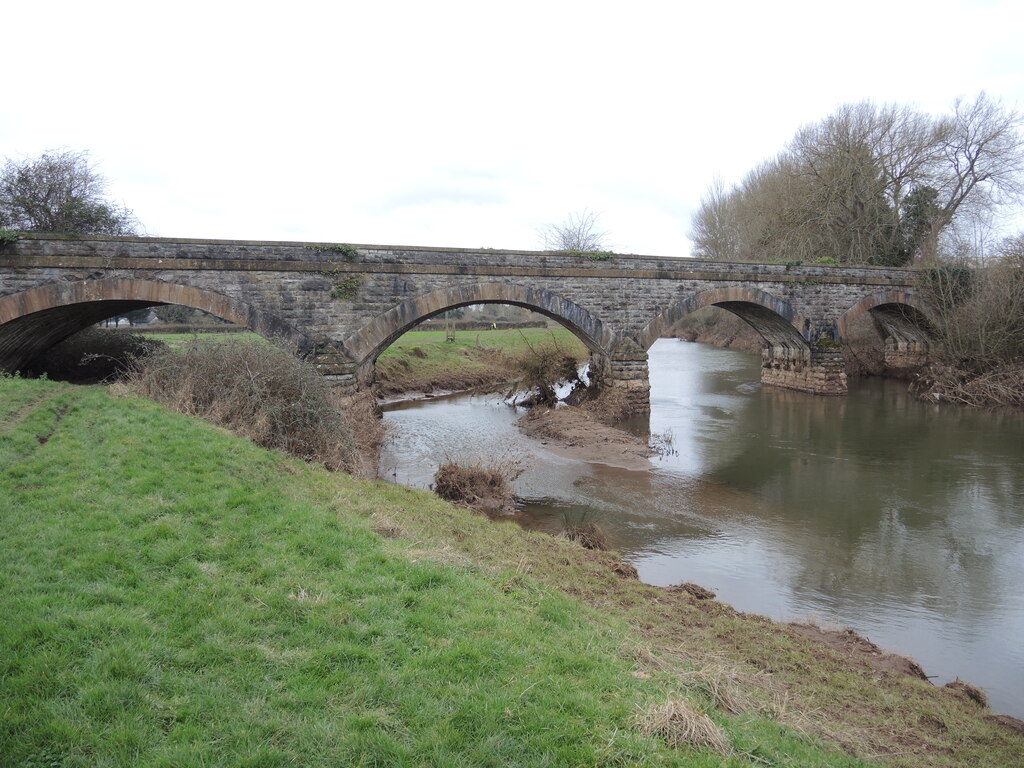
x=342 y=305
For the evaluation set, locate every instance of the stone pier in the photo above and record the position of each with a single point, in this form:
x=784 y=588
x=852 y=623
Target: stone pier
x=627 y=372
x=341 y=372
x=818 y=371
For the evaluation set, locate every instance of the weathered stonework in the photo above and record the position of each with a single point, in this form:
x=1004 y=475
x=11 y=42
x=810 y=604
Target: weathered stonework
x=904 y=357
x=821 y=372
x=342 y=306
x=628 y=373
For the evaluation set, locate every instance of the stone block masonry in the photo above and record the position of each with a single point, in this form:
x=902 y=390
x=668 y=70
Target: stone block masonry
x=817 y=371
x=342 y=305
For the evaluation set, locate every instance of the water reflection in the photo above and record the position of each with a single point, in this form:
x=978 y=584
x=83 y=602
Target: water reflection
x=901 y=519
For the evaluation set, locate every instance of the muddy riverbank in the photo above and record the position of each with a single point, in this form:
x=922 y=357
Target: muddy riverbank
x=580 y=435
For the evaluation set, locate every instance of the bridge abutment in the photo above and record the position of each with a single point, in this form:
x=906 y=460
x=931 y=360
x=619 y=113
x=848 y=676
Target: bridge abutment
x=906 y=346
x=340 y=372
x=818 y=371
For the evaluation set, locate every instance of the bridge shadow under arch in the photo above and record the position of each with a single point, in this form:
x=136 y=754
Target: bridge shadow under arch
x=32 y=321
x=897 y=314
x=772 y=317
x=365 y=345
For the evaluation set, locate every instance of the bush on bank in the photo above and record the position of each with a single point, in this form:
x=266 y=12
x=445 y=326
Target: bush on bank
x=256 y=390
x=979 y=317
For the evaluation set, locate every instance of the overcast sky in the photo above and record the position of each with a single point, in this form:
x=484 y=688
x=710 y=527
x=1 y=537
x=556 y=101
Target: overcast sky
x=466 y=124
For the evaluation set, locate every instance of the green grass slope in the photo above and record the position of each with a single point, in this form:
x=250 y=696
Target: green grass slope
x=174 y=596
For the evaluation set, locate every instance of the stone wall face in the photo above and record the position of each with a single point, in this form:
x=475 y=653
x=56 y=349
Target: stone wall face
x=818 y=372
x=904 y=357
x=350 y=302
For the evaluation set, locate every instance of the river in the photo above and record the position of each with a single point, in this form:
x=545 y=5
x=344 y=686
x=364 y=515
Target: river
x=900 y=519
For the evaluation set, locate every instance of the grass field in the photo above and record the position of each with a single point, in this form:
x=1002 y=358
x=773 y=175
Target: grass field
x=174 y=596
x=425 y=361
x=181 y=339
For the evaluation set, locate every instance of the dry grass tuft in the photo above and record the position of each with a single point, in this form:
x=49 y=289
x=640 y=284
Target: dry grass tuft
x=587 y=534
x=383 y=526
x=727 y=690
x=680 y=725
x=971 y=692
x=696 y=590
x=642 y=654
x=304 y=596
x=483 y=487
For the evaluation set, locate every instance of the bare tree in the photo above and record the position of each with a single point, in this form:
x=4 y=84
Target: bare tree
x=980 y=166
x=715 y=227
x=869 y=184
x=579 y=232
x=60 y=192
x=980 y=311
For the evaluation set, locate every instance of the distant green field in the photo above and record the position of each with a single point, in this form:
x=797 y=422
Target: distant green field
x=181 y=339
x=511 y=341
x=453 y=353
x=425 y=360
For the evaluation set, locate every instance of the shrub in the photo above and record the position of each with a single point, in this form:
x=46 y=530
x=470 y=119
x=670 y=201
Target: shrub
x=979 y=317
x=587 y=535
x=541 y=369
x=580 y=526
x=258 y=391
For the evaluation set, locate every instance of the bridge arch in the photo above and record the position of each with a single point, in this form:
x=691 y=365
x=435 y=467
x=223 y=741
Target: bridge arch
x=772 y=317
x=904 y=324
x=365 y=345
x=34 y=320
x=895 y=310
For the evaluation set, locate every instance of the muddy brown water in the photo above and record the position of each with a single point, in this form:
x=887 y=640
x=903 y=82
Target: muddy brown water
x=899 y=519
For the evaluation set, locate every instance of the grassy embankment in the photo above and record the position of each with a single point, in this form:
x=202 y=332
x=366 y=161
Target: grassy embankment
x=173 y=595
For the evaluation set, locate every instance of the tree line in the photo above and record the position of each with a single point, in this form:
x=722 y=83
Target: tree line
x=885 y=185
